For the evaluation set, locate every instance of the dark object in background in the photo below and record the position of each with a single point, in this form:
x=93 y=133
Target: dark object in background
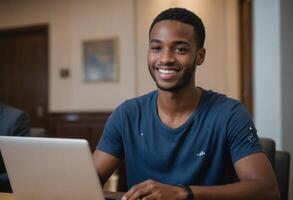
x=280 y=161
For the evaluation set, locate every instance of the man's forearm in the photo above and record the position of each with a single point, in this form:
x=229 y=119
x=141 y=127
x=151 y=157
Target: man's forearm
x=250 y=189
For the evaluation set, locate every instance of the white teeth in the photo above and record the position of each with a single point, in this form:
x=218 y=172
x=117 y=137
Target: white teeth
x=165 y=71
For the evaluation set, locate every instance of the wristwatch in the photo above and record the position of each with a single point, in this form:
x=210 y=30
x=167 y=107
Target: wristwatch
x=188 y=190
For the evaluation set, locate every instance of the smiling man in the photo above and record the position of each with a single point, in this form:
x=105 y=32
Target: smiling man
x=182 y=141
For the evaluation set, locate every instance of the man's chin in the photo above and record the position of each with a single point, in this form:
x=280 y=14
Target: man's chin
x=174 y=88
x=169 y=89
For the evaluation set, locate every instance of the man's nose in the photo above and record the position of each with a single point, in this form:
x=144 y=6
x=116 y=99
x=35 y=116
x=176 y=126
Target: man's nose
x=167 y=57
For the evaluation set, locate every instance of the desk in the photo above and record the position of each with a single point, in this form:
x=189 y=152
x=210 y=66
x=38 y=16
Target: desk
x=6 y=196
x=9 y=196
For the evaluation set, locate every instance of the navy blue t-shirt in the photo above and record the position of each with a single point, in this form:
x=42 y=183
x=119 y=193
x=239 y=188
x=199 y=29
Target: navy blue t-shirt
x=202 y=151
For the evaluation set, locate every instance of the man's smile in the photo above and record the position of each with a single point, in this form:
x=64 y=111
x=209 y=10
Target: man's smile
x=167 y=73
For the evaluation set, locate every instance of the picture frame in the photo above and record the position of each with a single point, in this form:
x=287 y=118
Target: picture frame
x=100 y=60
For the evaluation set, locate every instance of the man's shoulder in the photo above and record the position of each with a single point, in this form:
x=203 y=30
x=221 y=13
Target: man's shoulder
x=220 y=103
x=219 y=100
x=140 y=101
x=131 y=109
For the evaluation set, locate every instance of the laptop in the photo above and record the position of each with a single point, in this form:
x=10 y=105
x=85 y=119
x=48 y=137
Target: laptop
x=50 y=169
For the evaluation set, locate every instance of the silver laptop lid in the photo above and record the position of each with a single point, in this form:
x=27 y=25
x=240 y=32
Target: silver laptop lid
x=50 y=169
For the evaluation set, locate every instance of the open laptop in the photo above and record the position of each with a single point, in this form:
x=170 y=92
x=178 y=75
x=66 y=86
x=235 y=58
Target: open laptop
x=50 y=169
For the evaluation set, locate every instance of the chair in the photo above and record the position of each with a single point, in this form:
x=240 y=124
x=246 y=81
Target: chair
x=280 y=161
x=282 y=171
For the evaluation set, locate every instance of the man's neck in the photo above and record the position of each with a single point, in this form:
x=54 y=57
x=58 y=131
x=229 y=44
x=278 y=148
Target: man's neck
x=175 y=108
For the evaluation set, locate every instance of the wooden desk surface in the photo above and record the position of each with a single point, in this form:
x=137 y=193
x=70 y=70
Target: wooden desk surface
x=6 y=196
x=9 y=196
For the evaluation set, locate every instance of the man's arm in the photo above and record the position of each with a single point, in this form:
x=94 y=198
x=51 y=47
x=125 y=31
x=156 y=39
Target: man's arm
x=257 y=181
x=105 y=164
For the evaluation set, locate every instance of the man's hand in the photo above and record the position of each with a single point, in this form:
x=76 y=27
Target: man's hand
x=154 y=190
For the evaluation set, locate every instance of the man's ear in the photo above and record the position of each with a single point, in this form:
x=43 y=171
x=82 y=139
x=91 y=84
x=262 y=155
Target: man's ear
x=201 y=53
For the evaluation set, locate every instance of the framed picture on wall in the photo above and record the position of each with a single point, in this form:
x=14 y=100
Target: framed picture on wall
x=100 y=60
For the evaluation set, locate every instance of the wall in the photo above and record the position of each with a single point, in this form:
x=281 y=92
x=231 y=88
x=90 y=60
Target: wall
x=267 y=69
x=273 y=83
x=71 y=22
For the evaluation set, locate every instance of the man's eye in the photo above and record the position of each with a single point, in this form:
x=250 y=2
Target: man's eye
x=156 y=49
x=181 y=50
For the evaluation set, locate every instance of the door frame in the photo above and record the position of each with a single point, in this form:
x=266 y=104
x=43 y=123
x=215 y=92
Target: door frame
x=246 y=52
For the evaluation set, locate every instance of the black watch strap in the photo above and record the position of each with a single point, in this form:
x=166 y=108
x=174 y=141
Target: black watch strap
x=188 y=190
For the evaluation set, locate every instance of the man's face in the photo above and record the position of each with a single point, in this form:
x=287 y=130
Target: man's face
x=172 y=55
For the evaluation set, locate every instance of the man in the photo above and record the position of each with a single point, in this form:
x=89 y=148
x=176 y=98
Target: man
x=13 y=122
x=182 y=141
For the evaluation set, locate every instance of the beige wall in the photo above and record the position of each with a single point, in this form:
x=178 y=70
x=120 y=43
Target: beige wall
x=73 y=21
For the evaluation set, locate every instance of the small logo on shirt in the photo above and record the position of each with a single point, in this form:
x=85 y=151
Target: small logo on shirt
x=252 y=137
x=201 y=154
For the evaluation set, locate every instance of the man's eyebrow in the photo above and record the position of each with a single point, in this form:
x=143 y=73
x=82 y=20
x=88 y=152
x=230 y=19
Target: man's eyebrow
x=182 y=42
x=179 y=42
x=155 y=41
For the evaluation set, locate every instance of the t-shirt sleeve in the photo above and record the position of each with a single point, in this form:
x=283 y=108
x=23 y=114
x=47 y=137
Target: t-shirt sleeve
x=111 y=139
x=242 y=135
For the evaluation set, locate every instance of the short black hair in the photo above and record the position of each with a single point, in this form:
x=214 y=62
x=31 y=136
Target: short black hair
x=185 y=16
